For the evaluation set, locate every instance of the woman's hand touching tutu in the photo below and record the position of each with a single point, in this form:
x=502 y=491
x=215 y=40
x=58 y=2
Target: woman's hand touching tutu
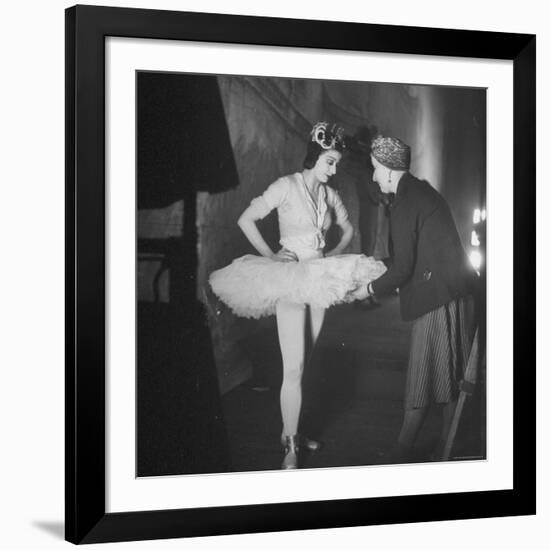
x=284 y=255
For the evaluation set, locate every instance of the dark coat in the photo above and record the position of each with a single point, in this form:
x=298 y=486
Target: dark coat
x=430 y=266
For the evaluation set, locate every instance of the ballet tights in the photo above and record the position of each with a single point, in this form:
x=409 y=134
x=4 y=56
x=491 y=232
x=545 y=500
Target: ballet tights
x=291 y=320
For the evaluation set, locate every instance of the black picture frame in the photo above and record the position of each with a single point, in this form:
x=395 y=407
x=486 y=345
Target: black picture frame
x=86 y=29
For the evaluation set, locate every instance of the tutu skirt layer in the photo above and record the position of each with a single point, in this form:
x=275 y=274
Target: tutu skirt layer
x=251 y=285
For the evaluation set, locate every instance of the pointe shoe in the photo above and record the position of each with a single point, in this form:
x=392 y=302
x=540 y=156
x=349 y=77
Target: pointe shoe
x=290 y=461
x=305 y=443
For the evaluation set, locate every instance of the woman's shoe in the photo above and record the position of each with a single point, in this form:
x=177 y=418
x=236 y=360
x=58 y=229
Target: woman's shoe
x=290 y=461
x=305 y=443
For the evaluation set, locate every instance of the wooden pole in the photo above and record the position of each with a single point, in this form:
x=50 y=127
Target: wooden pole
x=467 y=387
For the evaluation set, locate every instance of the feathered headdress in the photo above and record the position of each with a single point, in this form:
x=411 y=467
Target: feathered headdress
x=328 y=136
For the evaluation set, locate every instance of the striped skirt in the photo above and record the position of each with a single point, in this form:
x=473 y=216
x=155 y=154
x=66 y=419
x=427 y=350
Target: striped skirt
x=440 y=345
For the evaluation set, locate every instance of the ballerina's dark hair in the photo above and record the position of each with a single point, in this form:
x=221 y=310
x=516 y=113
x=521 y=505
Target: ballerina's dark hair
x=324 y=136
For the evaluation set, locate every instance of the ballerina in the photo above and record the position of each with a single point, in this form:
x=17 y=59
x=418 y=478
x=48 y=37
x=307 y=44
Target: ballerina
x=300 y=276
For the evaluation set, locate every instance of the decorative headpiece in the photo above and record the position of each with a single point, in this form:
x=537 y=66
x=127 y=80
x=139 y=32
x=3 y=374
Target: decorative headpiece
x=328 y=136
x=391 y=152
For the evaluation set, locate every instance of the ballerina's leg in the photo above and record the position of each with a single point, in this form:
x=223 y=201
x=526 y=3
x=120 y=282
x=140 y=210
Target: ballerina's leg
x=290 y=327
x=317 y=316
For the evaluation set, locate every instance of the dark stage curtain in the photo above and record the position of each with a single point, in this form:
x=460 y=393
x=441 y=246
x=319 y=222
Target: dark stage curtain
x=183 y=141
x=183 y=146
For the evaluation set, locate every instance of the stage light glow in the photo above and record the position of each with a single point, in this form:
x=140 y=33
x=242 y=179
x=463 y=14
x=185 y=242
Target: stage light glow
x=476 y=259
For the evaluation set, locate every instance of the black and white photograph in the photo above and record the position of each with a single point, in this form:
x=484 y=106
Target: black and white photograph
x=326 y=240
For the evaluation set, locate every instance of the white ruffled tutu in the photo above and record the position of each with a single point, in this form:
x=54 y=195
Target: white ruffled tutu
x=252 y=285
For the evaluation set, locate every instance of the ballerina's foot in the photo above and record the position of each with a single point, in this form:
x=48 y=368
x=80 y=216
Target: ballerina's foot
x=290 y=460
x=305 y=443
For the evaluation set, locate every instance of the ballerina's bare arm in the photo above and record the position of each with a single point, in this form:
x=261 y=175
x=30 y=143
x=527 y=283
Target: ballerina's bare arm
x=345 y=239
x=247 y=223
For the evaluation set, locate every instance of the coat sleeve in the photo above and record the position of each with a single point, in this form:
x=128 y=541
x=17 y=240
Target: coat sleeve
x=404 y=231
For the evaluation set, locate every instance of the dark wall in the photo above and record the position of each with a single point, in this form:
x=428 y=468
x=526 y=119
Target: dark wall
x=464 y=154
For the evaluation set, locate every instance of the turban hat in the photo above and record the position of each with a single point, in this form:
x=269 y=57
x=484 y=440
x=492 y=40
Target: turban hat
x=391 y=152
